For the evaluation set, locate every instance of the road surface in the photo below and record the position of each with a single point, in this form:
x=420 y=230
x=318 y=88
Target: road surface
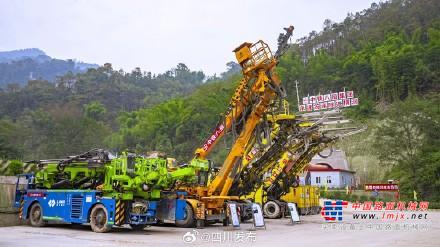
x=312 y=231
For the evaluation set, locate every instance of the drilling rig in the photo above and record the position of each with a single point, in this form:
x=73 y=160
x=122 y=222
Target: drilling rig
x=254 y=96
x=271 y=167
x=98 y=188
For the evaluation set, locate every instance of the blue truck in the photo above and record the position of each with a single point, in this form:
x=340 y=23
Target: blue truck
x=40 y=206
x=104 y=191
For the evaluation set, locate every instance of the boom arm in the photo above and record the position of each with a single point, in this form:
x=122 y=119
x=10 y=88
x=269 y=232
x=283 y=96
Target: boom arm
x=254 y=59
x=289 y=138
x=251 y=58
x=223 y=180
x=295 y=143
x=238 y=103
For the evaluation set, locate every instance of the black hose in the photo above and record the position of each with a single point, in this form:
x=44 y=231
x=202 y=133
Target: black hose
x=81 y=182
x=63 y=184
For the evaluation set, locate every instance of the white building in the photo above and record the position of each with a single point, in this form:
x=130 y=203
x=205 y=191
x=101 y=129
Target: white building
x=332 y=171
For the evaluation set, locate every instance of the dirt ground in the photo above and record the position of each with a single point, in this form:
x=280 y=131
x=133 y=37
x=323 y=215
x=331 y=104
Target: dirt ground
x=312 y=231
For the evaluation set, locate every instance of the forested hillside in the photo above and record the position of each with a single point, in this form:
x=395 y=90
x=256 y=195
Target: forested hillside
x=384 y=53
x=78 y=112
x=389 y=54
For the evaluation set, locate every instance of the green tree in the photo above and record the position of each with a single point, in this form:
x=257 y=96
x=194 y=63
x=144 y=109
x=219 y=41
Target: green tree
x=14 y=167
x=95 y=110
x=9 y=143
x=407 y=141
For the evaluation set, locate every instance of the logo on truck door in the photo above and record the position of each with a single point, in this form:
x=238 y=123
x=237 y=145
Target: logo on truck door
x=58 y=203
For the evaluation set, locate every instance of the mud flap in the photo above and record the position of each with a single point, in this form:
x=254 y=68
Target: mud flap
x=120 y=212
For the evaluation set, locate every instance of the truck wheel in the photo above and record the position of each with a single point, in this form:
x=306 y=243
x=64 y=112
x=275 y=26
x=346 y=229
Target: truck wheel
x=98 y=219
x=246 y=211
x=200 y=224
x=272 y=210
x=189 y=220
x=36 y=215
x=225 y=221
x=318 y=209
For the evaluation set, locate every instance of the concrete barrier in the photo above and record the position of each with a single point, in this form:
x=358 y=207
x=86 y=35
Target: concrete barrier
x=8 y=214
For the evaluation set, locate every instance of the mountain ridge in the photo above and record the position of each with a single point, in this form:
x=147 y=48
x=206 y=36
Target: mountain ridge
x=14 y=55
x=19 y=66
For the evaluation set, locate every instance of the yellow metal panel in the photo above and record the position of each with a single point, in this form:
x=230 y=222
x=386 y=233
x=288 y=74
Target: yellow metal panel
x=198 y=208
x=305 y=196
x=243 y=54
x=259 y=196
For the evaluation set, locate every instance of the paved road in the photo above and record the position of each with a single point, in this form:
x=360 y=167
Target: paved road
x=310 y=232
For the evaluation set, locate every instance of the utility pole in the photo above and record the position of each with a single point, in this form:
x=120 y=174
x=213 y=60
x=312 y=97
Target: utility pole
x=297 y=94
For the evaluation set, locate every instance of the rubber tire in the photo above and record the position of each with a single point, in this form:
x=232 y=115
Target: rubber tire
x=318 y=210
x=200 y=224
x=189 y=221
x=272 y=210
x=225 y=221
x=244 y=217
x=95 y=228
x=40 y=221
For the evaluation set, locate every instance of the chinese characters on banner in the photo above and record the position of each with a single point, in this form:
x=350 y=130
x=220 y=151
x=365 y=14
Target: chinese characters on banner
x=328 y=101
x=380 y=187
x=218 y=131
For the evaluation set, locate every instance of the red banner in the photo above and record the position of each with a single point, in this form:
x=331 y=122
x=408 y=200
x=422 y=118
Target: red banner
x=328 y=101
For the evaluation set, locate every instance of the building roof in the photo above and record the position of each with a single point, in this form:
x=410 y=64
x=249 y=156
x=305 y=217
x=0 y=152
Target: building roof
x=323 y=167
x=337 y=160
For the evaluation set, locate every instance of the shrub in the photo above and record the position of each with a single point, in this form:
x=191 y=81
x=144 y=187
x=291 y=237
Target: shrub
x=363 y=198
x=354 y=198
x=434 y=205
x=15 y=167
x=345 y=197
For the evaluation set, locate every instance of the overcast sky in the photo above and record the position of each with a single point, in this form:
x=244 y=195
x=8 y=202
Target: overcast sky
x=156 y=35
